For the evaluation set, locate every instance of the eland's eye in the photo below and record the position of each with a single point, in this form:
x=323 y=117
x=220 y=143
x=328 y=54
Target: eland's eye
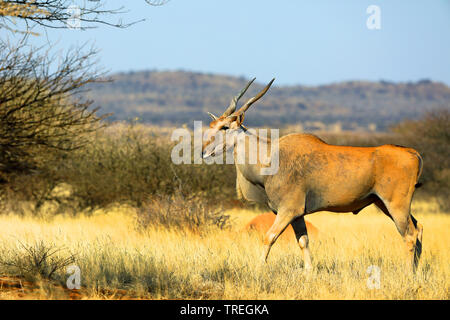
x=225 y=128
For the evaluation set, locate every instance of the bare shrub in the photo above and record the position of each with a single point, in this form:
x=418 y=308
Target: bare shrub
x=182 y=212
x=129 y=163
x=124 y=163
x=41 y=114
x=35 y=261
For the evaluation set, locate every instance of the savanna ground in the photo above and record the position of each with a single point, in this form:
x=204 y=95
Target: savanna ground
x=119 y=259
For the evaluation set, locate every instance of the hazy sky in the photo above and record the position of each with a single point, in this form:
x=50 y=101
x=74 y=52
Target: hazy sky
x=298 y=42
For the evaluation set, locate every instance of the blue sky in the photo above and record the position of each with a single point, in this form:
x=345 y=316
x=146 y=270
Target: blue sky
x=298 y=42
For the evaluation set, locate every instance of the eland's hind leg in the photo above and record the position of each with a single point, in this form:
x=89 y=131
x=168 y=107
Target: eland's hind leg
x=410 y=233
x=408 y=227
x=301 y=234
x=418 y=241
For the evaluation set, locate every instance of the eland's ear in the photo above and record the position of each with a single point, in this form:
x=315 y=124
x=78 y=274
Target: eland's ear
x=213 y=116
x=240 y=119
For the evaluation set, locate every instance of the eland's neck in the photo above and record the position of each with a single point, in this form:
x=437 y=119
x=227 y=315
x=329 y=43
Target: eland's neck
x=252 y=153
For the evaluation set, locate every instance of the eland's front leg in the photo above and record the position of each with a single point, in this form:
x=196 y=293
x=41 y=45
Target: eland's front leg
x=301 y=234
x=283 y=219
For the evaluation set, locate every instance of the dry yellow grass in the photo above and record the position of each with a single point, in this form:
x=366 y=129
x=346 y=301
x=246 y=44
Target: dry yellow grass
x=224 y=264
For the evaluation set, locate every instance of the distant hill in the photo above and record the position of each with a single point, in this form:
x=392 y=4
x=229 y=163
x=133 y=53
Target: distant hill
x=174 y=98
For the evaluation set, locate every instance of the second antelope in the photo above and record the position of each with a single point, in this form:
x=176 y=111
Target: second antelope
x=315 y=176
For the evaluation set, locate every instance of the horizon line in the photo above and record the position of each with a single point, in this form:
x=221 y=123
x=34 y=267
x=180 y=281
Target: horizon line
x=246 y=78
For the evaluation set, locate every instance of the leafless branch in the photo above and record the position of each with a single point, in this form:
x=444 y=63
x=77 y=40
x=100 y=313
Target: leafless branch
x=40 y=104
x=57 y=13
